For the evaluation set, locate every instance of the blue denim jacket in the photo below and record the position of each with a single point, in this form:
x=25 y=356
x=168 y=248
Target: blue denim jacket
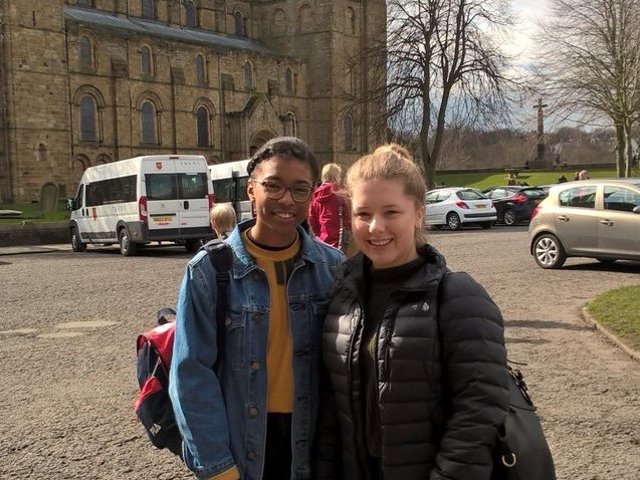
x=223 y=416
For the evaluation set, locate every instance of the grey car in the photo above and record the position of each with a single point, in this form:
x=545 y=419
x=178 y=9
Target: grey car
x=597 y=218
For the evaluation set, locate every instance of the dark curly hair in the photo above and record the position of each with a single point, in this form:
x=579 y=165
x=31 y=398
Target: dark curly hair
x=286 y=147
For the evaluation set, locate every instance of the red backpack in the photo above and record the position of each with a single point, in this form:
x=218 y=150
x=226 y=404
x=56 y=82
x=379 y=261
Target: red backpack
x=154 y=351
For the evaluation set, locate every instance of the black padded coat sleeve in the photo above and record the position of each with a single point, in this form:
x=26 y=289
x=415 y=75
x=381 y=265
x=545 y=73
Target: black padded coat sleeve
x=474 y=368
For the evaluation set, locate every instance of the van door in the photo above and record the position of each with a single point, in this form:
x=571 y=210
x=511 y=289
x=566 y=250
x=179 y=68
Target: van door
x=80 y=214
x=193 y=193
x=161 y=188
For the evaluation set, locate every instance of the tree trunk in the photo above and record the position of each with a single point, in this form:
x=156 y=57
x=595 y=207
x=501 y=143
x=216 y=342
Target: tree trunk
x=628 y=149
x=619 y=149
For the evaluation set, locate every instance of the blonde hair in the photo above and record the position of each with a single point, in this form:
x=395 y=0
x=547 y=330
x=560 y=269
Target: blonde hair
x=223 y=218
x=331 y=172
x=391 y=162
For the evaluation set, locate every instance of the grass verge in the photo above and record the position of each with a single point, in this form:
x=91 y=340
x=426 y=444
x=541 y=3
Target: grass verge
x=618 y=310
x=32 y=212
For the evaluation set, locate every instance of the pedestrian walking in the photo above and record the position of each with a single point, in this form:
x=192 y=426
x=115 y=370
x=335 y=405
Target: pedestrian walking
x=254 y=415
x=415 y=360
x=329 y=212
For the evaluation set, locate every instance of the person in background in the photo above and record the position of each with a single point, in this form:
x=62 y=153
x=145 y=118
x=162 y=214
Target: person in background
x=576 y=176
x=223 y=219
x=254 y=415
x=416 y=378
x=583 y=175
x=329 y=209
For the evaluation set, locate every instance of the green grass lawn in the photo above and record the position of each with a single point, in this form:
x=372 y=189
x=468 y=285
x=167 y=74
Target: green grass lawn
x=482 y=181
x=32 y=212
x=619 y=311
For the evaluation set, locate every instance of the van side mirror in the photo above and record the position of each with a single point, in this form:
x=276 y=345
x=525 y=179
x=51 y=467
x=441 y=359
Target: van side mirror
x=70 y=203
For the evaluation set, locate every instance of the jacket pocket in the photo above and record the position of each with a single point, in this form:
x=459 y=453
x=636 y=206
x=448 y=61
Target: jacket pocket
x=235 y=338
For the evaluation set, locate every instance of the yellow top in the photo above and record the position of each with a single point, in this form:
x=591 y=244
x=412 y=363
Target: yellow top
x=277 y=266
x=230 y=474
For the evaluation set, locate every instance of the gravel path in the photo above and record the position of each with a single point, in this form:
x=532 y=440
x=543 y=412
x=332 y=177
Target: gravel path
x=67 y=357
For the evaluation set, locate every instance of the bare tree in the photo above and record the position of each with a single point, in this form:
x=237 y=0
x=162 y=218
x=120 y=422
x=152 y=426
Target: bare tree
x=591 y=64
x=443 y=63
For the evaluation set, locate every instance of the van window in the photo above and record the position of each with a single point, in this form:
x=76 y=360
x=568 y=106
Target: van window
x=192 y=185
x=113 y=190
x=227 y=188
x=161 y=186
x=171 y=186
x=77 y=202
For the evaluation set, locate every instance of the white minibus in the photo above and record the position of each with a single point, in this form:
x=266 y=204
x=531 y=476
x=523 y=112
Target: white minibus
x=229 y=181
x=136 y=201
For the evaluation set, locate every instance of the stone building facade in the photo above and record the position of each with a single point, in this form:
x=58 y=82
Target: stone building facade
x=84 y=82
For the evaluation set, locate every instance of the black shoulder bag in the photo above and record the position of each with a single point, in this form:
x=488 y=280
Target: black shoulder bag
x=521 y=451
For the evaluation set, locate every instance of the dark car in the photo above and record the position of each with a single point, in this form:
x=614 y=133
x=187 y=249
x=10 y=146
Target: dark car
x=515 y=204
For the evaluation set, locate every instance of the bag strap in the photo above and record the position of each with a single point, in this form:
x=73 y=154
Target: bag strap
x=221 y=258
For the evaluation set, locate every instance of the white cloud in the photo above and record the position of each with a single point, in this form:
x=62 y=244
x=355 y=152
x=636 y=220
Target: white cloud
x=527 y=13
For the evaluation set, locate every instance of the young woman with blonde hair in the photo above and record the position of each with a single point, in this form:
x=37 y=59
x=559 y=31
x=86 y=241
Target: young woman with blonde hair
x=417 y=384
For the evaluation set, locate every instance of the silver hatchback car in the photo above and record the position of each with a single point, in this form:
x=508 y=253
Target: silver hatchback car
x=597 y=218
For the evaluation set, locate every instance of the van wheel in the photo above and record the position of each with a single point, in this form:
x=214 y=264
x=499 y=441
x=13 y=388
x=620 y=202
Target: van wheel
x=76 y=243
x=127 y=248
x=548 y=251
x=192 y=245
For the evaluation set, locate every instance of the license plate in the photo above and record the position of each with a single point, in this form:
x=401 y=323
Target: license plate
x=162 y=218
x=481 y=205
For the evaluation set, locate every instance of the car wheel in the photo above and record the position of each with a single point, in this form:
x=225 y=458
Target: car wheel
x=127 y=247
x=76 y=243
x=509 y=217
x=192 y=244
x=548 y=251
x=486 y=225
x=606 y=261
x=453 y=221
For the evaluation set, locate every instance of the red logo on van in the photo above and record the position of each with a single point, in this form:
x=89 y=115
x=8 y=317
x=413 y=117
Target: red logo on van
x=159 y=165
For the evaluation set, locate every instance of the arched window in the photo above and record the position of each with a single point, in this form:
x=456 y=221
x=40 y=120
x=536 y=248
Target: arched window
x=304 y=17
x=351 y=21
x=349 y=81
x=348 y=133
x=148 y=120
x=202 y=127
x=149 y=9
x=239 y=24
x=288 y=81
x=290 y=125
x=88 y=119
x=200 y=72
x=146 y=61
x=248 y=76
x=279 y=22
x=85 y=52
x=191 y=14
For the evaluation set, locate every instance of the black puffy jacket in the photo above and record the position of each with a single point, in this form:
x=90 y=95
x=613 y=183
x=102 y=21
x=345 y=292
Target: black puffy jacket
x=442 y=378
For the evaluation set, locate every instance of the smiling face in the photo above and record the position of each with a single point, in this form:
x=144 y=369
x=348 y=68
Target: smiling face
x=384 y=222
x=277 y=220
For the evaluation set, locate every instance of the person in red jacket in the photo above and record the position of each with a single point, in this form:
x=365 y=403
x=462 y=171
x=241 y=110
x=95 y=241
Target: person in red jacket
x=329 y=208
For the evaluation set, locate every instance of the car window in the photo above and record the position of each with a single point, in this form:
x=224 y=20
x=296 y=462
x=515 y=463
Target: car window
x=470 y=195
x=579 y=197
x=498 y=193
x=620 y=198
x=534 y=193
x=432 y=197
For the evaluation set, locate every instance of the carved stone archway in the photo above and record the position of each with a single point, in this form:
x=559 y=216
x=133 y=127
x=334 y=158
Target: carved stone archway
x=258 y=139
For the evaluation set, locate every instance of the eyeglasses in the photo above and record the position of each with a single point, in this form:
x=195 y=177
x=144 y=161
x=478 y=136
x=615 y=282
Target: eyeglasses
x=275 y=191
